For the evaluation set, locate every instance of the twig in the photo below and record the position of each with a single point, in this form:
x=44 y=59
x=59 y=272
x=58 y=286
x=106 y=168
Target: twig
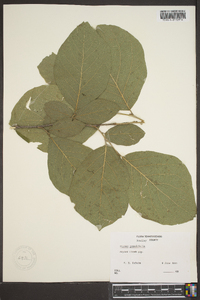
x=123 y=123
x=106 y=140
x=131 y=115
x=115 y=123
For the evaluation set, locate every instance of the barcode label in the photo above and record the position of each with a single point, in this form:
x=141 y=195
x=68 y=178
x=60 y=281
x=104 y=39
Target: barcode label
x=173 y=15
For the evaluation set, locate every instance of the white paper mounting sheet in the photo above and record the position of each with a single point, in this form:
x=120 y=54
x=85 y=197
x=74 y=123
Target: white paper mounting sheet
x=41 y=230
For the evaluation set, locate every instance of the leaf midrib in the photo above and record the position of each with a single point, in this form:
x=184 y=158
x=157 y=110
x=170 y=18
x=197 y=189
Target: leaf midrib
x=153 y=184
x=62 y=152
x=81 y=72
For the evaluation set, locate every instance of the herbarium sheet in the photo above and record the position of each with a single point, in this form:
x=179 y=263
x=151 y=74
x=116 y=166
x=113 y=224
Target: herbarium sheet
x=99 y=143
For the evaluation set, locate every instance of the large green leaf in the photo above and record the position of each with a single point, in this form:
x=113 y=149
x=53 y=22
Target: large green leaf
x=99 y=187
x=66 y=128
x=97 y=112
x=126 y=134
x=29 y=111
x=128 y=69
x=82 y=66
x=64 y=156
x=161 y=188
x=46 y=68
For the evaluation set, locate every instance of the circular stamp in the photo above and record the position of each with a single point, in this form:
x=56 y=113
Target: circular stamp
x=25 y=257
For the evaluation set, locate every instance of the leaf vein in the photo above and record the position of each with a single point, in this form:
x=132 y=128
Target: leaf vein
x=153 y=184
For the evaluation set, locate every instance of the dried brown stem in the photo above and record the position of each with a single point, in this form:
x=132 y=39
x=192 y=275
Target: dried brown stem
x=114 y=123
x=30 y=126
x=123 y=123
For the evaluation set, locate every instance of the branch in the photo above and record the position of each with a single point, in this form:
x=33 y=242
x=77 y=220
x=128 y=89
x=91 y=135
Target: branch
x=30 y=127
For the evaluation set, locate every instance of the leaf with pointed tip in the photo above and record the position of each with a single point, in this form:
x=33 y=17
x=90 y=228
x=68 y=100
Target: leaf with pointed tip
x=128 y=68
x=46 y=68
x=82 y=66
x=66 y=128
x=161 y=188
x=64 y=156
x=29 y=111
x=57 y=111
x=99 y=187
x=97 y=112
x=126 y=134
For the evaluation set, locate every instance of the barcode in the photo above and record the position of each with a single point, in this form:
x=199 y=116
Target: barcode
x=173 y=15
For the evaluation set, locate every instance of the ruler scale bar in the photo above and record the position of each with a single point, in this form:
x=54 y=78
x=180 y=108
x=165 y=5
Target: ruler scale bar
x=127 y=291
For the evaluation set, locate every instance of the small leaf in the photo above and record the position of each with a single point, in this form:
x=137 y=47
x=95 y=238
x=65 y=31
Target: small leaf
x=57 y=110
x=97 y=112
x=84 y=135
x=64 y=156
x=161 y=188
x=99 y=187
x=29 y=111
x=82 y=66
x=66 y=128
x=127 y=134
x=128 y=68
x=46 y=68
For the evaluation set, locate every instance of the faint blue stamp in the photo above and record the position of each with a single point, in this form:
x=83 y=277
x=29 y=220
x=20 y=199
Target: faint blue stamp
x=25 y=257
